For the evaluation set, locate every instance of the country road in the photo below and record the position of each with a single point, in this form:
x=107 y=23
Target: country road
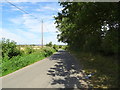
x=60 y=70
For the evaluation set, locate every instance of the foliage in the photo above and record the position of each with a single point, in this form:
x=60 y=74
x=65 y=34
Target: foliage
x=64 y=47
x=92 y=27
x=48 y=51
x=18 y=62
x=14 y=58
x=49 y=44
x=60 y=46
x=28 y=50
x=56 y=47
x=89 y=26
x=9 y=48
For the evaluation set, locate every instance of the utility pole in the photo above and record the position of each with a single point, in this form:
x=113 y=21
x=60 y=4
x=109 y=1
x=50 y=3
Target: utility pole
x=42 y=34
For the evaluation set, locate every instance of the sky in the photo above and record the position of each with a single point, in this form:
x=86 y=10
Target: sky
x=24 y=28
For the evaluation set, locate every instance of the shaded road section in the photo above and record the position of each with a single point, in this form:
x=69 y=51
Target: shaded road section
x=61 y=70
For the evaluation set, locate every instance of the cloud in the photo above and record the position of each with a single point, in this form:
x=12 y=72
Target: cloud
x=46 y=8
x=51 y=38
x=31 y=27
x=12 y=36
x=34 y=25
x=19 y=36
x=26 y=34
x=17 y=21
x=1 y=5
x=49 y=8
x=16 y=9
x=39 y=10
x=23 y=37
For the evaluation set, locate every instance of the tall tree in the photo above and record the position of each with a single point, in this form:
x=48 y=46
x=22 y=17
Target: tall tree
x=89 y=26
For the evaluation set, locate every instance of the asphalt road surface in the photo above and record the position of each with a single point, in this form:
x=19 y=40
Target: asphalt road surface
x=61 y=70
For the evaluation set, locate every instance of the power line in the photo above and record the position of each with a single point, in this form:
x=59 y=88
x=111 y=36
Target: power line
x=30 y=15
x=22 y=10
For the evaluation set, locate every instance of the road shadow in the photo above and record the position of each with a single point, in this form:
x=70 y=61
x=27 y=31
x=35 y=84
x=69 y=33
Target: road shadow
x=66 y=71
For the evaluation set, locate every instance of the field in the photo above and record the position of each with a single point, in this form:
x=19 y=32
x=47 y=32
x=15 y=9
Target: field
x=22 y=47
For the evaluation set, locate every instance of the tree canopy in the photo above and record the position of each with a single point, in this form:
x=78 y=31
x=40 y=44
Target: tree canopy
x=89 y=26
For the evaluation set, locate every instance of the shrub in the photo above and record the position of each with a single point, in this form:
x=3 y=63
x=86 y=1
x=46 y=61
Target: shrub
x=65 y=47
x=48 y=51
x=55 y=47
x=28 y=50
x=60 y=46
x=18 y=62
x=9 y=48
x=49 y=44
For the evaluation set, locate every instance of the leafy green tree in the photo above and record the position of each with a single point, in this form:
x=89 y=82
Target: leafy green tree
x=9 y=48
x=89 y=26
x=49 y=44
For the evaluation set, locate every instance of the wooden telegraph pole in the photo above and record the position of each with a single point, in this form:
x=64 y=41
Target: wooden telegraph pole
x=42 y=34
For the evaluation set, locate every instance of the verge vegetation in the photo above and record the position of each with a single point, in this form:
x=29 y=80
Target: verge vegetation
x=13 y=58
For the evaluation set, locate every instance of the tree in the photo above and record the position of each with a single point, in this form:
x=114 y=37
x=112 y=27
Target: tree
x=49 y=44
x=81 y=26
x=9 y=48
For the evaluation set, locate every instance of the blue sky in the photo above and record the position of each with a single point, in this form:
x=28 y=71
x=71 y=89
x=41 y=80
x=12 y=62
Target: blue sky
x=24 y=28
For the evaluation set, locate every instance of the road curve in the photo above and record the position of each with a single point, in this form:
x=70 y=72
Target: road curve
x=57 y=71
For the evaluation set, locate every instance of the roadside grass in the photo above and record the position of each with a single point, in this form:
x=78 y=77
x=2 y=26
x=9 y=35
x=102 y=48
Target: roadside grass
x=103 y=68
x=18 y=62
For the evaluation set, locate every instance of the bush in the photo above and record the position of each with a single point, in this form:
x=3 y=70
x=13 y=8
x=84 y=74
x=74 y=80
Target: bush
x=9 y=48
x=65 y=47
x=49 y=44
x=60 y=46
x=18 y=62
x=110 y=44
x=29 y=50
x=55 y=47
x=48 y=51
x=14 y=59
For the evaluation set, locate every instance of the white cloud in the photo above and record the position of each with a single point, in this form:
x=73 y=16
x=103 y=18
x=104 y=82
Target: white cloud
x=23 y=37
x=52 y=38
x=49 y=8
x=16 y=9
x=26 y=34
x=39 y=10
x=17 y=21
x=1 y=5
x=19 y=36
x=33 y=24
x=12 y=36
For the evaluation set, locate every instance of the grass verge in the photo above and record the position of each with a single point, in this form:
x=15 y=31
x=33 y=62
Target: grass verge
x=18 y=62
x=104 y=69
